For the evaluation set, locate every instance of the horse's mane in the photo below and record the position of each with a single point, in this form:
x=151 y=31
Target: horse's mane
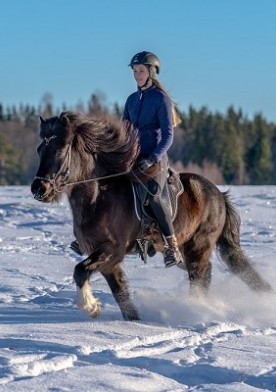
x=115 y=145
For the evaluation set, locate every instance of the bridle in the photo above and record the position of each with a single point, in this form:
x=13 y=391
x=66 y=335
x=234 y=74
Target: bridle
x=65 y=167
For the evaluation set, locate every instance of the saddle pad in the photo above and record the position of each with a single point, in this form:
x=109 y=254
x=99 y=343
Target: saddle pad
x=175 y=189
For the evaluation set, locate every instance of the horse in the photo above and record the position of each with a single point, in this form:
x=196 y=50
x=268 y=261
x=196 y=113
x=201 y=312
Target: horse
x=92 y=160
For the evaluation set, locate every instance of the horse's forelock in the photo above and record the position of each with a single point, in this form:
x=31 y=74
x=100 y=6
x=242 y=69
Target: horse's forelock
x=71 y=119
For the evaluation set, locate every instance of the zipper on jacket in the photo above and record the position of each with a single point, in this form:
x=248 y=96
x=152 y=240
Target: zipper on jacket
x=139 y=110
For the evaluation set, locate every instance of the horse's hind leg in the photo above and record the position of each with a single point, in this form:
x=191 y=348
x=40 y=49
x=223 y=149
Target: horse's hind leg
x=197 y=258
x=117 y=282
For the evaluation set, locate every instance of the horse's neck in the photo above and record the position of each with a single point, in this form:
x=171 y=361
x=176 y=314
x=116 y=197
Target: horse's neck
x=82 y=199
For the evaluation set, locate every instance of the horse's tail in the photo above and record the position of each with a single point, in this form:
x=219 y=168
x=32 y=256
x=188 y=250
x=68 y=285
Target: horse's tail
x=231 y=253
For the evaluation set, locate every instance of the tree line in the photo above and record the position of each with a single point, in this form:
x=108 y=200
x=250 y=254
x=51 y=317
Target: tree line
x=242 y=150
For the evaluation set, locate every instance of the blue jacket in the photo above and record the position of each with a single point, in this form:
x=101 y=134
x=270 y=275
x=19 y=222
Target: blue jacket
x=150 y=112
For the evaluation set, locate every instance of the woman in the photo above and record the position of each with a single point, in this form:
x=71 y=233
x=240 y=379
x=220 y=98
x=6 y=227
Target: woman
x=150 y=110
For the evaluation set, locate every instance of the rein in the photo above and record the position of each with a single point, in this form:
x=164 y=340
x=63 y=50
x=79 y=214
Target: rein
x=98 y=178
x=52 y=181
x=68 y=155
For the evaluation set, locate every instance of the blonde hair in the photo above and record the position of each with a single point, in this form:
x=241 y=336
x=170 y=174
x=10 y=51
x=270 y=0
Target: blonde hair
x=176 y=119
x=175 y=116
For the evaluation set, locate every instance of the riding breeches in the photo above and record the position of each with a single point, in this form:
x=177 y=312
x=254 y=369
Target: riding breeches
x=158 y=199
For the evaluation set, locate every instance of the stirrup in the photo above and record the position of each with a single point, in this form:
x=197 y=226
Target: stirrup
x=145 y=248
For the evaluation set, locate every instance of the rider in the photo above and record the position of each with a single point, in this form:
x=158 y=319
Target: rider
x=151 y=112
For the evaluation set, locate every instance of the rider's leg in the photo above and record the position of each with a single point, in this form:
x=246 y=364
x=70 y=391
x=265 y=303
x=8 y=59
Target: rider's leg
x=157 y=189
x=172 y=255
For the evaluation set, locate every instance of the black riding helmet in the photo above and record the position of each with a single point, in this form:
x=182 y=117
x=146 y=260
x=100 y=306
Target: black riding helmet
x=146 y=58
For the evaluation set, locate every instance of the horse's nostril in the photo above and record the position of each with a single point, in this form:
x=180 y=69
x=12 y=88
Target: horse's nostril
x=37 y=189
x=36 y=196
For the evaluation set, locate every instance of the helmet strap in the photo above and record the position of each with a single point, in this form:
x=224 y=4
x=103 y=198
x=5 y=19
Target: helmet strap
x=147 y=81
x=150 y=69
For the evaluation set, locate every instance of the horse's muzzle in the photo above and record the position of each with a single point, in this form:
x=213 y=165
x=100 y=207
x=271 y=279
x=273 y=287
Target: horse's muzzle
x=42 y=191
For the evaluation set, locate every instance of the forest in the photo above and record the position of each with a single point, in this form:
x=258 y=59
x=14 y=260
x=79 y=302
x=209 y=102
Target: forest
x=228 y=148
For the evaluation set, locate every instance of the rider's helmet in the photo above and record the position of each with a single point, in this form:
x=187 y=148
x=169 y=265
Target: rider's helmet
x=146 y=58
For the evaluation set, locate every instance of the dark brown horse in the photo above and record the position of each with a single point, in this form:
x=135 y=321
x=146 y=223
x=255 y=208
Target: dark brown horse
x=88 y=160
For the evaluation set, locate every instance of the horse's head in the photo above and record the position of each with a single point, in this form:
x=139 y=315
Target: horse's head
x=76 y=149
x=55 y=157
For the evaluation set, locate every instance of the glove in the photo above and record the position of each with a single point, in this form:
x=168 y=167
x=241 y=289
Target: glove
x=145 y=164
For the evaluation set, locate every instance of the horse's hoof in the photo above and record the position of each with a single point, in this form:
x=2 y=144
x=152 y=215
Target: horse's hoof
x=86 y=302
x=132 y=316
x=92 y=312
x=96 y=311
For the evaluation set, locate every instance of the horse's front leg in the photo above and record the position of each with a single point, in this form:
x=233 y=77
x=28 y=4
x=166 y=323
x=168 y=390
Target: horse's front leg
x=85 y=299
x=117 y=282
x=108 y=263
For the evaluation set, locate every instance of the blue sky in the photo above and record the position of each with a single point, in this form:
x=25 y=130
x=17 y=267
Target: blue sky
x=213 y=52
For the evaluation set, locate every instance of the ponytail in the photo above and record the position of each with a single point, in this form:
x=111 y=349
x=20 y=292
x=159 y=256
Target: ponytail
x=176 y=119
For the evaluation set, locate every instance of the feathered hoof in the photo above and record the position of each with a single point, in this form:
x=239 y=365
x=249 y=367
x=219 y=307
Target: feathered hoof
x=87 y=302
x=94 y=310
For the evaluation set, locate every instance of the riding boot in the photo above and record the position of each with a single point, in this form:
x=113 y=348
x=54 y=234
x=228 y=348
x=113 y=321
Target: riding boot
x=172 y=255
x=75 y=247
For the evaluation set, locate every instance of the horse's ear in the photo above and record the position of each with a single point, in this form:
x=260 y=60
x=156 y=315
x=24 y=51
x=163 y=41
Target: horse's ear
x=64 y=119
x=42 y=120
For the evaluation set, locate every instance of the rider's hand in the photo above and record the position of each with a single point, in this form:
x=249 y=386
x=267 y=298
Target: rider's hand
x=145 y=164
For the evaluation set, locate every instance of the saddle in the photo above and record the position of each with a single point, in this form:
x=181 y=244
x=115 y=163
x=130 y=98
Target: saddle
x=173 y=189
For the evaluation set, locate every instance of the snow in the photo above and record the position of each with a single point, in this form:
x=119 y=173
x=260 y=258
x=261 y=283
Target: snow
x=225 y=342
